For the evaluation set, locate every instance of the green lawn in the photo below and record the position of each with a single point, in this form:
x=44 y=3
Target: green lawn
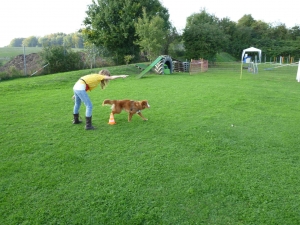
x=14 y=51
x=8 y=53
x=216 y=149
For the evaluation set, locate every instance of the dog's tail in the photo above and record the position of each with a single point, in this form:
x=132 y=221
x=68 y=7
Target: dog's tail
x=108 y=102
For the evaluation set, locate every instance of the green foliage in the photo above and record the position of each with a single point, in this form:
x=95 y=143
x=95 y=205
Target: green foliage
x=203 y=37
x=176 y=50
x=16 y=42
x=93 y=53
x=216 y=149
x=280 y=32
x=172 y=38
x=31 y=41
x=128 y=58
x=151 y=35
x=61 y=59
x=294 y=32
x=240 y=39
x=225 y=57
x=246 y=21
x=111 y=24
x=274 y=40
x=11 y=73
x=73 y=40
x=259 y=30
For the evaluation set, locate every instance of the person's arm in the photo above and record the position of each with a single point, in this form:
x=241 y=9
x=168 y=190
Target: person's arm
x=115 y=77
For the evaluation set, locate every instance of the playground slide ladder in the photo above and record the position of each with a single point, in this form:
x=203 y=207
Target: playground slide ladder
x=150 y=66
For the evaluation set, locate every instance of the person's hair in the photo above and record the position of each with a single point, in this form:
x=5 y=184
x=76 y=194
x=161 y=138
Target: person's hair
x=104 y=82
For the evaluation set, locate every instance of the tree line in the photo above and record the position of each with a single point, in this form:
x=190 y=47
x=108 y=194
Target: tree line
x=73 y=40
x=133 y=31
x=131 y=28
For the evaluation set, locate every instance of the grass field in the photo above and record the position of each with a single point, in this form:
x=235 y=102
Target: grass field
x=8 y=52
x=216 y=149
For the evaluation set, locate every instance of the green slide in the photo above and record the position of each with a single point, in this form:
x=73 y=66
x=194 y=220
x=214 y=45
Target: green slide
x=150 y=66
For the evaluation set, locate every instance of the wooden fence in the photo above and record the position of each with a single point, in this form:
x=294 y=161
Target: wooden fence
x=198 y=66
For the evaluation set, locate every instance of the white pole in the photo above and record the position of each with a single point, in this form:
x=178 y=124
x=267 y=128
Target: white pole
x=298 y=73
x=280 y=60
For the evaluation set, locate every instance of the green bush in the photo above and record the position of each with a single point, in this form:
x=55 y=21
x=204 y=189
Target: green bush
x=12 y=72
x=61 y=59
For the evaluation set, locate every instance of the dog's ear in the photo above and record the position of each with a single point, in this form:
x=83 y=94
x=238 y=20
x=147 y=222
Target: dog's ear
x=145 y=104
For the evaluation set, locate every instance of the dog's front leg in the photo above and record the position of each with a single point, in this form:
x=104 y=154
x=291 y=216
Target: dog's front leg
x=129 y=116
x=140 y=114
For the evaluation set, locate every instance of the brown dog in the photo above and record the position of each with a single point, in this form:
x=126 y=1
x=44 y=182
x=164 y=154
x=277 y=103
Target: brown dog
x=129 y=106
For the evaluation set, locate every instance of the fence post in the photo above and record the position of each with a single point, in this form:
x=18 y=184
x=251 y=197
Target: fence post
x=25 y=72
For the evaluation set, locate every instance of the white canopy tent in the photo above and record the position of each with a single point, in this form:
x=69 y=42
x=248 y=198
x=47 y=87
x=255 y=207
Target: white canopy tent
x=251 y=49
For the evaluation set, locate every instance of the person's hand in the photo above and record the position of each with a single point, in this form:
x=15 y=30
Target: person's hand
x=124 y=76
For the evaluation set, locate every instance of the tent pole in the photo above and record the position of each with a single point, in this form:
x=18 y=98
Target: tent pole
x=241 y=70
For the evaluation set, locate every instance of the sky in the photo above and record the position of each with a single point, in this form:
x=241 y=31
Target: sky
x=25 y=18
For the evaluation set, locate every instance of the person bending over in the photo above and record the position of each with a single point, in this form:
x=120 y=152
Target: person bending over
x=82 y=86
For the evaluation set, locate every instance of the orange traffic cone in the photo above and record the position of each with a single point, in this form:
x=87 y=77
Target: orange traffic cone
x=111 y=119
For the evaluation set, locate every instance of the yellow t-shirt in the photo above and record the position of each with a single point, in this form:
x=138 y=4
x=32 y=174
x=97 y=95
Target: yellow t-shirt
x=93 y=80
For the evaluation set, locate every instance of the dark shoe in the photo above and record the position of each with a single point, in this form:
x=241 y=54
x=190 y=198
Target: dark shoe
x=88 y=125
x=76 y=119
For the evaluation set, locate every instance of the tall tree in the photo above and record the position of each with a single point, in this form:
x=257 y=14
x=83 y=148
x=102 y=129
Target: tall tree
x=16 y=42
x=229 y=28
x=294 y=32
x=203 y=37
x=172 y=40
x=77 y=40
x=151 y=35
x=68 y=41
x=260 y=29
x=247 y=21
x=31 y=41
x=241 y=39
x=59 y=40
x=280 y=32
x=43 y=42
x=110 y=23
